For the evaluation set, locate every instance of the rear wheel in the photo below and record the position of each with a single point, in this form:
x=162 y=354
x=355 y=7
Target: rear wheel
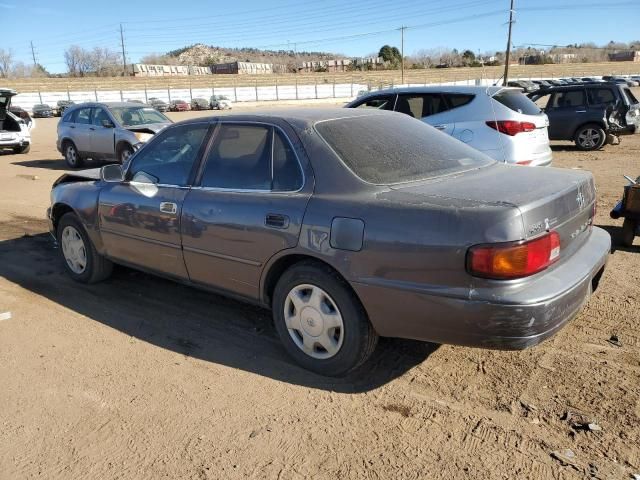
x=82 y=262
x=320 y=321
x=628 y=231
x=590 y=137
x=71 y=155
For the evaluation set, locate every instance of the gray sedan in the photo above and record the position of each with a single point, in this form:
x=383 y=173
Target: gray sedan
x=106 y=131
x=348 y=225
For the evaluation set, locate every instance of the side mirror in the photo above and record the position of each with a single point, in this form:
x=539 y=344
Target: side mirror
x=106 y=123
x=112 y=173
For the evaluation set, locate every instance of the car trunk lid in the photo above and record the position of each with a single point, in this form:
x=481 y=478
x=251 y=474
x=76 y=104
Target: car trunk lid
x=547 y=198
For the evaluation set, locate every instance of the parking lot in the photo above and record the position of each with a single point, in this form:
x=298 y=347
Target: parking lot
x=138 y=377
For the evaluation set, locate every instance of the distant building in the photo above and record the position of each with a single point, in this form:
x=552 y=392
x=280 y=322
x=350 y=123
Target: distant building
x=242 y=68
x=625 y=56
x=146 y=70
x=564 y=57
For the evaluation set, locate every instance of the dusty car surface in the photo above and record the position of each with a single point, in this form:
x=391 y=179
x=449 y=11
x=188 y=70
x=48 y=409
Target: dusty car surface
x=106 y=131
x=348 y=225
x=15 y=132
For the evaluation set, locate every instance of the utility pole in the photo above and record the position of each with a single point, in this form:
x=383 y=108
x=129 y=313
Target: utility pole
x=124 y=55
x=508 y=52
x=33 y=54
x=402 y=29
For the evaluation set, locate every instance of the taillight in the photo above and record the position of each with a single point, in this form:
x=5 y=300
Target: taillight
x=524 y=162
x=511 y=127
x=503 y=261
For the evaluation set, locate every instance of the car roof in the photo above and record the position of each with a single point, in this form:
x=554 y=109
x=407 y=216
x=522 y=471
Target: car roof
x=108 y=104
x=561 y=88
x=7 y=91
x=475 y=89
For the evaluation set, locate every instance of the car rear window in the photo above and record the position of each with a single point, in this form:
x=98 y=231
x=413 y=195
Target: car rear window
x=388 y=149
x=517 y=102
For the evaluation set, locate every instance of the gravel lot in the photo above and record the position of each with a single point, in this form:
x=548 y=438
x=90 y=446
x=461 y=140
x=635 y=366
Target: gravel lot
x=142 y=378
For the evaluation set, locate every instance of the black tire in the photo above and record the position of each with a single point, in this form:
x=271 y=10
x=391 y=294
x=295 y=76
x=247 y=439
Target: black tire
x=97 y=267
x=628 y=232
x=590 y=137
x=71 y=155
x=359 y=338
x=23 y=149
x=124 y=153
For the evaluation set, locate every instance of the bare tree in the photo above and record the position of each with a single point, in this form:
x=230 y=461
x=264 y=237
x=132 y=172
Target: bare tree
x=6 y=62
x=103 y=62
x=73 y=58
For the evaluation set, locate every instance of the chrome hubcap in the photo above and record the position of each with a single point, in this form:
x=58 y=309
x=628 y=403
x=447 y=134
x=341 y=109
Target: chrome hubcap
x=314 y=321
x=125 y=155
x=589 y=138
x=73 y=249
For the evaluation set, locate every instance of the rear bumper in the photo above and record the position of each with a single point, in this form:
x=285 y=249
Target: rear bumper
x=504 y=318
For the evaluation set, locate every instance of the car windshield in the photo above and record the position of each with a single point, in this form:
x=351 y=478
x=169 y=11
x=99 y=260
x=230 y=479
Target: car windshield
x=132 y=116
x=397 y=148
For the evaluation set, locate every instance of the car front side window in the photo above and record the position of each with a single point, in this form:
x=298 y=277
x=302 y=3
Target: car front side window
x=170 y=158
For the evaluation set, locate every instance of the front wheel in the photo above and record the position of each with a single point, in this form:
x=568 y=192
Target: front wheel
x=628 y=232
x=590 y=137
x=320 y=321
x=81 y=260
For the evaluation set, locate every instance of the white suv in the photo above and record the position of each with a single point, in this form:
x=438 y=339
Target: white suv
x=499 y=121
x=15 y=134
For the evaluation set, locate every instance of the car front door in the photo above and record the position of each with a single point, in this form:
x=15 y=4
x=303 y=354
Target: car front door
x=247 y=206
x=140 y=217
x=102 y=138
x=81 y=123
x=567 y=110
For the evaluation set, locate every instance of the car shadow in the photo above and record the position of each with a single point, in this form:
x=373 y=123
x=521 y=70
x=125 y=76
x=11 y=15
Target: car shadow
x=54 y=164
x=616 y=235
x=189 y=321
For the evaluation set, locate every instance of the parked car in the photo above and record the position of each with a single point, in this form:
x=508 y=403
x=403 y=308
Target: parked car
x=61 y=106
x=200 y=104
x=348 y=225
x=589 y=114
x=135 y=100
x=593 y=80
x=179 y=106
x=22 y=114
x=15 y=132
x=158 y=104
x=220 y=102
x=106 y=131
x=499 y=121
x=42 y=110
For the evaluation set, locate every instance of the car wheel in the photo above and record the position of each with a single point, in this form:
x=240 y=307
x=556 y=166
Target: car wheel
x=23 y=149
x=71 y=155
x=124 y=153
x=320 y=321
x=628 y=232
x=81 y=260
x=590 y=137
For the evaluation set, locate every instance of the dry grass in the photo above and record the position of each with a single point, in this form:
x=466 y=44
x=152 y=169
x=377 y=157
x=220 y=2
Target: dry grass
x=375 y=79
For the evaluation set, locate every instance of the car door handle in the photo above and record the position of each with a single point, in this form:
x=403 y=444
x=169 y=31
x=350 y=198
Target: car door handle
x=168 y=207
x=276 y=220
x=440 y=127
x=581 y=111
x=91 y=128
x=72 y=126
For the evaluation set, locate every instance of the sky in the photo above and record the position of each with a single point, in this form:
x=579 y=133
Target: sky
x=355 y=28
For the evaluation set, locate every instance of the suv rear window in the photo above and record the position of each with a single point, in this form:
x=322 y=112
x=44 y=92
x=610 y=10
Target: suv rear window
x=516 y=101
x=388 y=149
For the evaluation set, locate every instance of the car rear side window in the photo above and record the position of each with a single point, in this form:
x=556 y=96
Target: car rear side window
x=600 y=96
x=388 y=149
x=68 y=117
x=251 y=157
x=83 y=116
x=421 y=105
x=569 y=99
x=459 y=99
x=516 y=101
x=630 y=96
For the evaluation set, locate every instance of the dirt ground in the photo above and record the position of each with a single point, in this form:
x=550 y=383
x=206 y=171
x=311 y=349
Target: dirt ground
x=141 y=378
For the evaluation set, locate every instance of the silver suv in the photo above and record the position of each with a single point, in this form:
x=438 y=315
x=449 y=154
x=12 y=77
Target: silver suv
x=106 y=131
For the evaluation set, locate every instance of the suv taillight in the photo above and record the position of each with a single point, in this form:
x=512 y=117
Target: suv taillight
x=511 y=127
x=503 y=261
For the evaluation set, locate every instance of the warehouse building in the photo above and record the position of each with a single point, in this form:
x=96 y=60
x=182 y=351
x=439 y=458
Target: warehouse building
x=242 y=68
x=146 y=70
x=625 y=56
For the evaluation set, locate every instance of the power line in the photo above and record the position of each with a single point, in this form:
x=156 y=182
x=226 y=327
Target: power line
x=124 y=55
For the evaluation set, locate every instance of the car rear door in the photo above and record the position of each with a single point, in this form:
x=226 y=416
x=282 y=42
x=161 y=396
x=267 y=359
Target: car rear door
x=247 y=206
x=567 y=110
x=428 y=107
x=80 y=130
x=140 y=217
